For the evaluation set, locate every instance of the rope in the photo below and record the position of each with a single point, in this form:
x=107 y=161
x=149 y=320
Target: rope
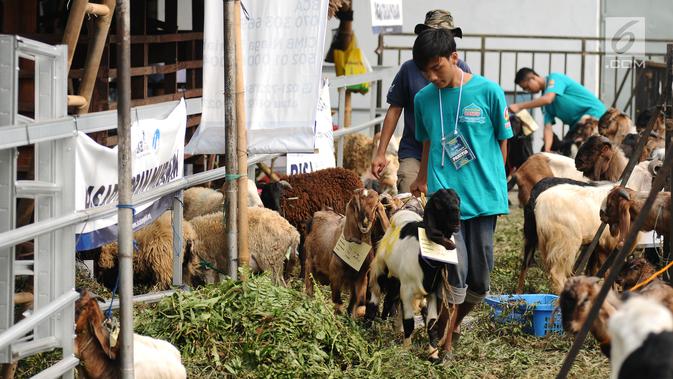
x=651 y=278
x=128 y=206
x=233 y=177
x=205 y=264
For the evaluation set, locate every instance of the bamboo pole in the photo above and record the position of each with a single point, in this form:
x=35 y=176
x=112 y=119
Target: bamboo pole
x=242 y=144
x=230 y=184
x=73 y=27
x=93 y=57
x=124 y=167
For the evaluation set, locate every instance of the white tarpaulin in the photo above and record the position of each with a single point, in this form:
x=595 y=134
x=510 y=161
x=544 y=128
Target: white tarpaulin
x=157 y=158
x=283 y=43
x=301 y=163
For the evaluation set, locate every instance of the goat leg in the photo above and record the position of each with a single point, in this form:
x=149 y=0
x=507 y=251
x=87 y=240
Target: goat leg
x=336 y=296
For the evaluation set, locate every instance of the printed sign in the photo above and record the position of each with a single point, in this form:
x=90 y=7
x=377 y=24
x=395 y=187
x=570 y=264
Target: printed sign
x=157 y=158
x=435 y=251
x=386 y=16
x=352 y=253
x=283 y=47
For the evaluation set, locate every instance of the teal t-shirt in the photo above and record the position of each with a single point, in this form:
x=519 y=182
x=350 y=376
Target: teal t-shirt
x=572 y=101
x=483 y=121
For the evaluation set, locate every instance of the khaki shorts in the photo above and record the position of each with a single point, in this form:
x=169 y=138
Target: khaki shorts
x=407 y=173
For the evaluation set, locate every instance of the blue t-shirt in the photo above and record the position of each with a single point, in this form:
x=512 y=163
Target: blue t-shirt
x=408 y=81
x=572 y=101
x=483 y=122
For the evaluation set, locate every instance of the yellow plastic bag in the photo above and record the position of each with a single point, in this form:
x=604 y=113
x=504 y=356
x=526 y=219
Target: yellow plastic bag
x=351 y=62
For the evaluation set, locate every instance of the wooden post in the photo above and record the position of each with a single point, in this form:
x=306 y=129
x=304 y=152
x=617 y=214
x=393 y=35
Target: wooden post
x=94 y=54
x=242 y=145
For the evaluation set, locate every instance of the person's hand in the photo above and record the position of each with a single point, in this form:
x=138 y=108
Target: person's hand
x=514 y=108
x=378 y=164
x=418 y=187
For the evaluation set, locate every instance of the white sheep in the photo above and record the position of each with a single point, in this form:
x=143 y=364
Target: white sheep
x=271 y=240
x=201 y=200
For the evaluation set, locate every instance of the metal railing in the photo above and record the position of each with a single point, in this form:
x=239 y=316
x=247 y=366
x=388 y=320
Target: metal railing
x=61 y=131
x=484 y=51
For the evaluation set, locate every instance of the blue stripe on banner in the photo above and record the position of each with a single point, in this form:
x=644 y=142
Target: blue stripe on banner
x=97 y=238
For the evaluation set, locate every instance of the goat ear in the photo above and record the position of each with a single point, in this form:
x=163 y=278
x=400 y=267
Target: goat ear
x=624 y=218
x=382 y=216
x=351 y=230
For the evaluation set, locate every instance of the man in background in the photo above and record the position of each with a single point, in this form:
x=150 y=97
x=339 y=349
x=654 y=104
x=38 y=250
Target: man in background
x=408 y=81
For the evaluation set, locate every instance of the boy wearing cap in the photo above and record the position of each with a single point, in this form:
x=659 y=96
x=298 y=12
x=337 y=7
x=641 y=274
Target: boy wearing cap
x=408 y=81
x=463 y=122
x=561 y=98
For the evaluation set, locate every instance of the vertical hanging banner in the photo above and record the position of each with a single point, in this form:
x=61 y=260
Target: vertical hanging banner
x=283 y=43
x=300 y=163
x=157 y=159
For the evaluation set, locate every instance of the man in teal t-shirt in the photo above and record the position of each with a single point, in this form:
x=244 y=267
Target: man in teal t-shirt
x=562 y=98
x=463 y=122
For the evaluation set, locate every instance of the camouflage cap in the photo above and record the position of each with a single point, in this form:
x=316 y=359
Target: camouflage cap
x=439 y=19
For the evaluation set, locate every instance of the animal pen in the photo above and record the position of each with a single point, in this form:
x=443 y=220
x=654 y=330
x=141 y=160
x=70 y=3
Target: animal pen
x=37 y=134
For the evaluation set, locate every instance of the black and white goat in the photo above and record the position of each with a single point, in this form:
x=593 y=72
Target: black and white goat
x=642 y=340
x=398 y=264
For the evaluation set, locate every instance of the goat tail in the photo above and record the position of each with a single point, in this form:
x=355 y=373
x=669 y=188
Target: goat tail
x=511 y=182
x=530 y=242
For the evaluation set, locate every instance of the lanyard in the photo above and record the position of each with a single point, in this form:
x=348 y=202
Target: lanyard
x=441 y=113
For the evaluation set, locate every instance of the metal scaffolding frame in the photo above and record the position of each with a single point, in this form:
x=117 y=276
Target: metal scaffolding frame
x=52 y=131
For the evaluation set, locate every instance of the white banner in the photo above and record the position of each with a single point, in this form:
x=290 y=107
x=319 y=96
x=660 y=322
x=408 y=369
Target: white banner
x=299 y=163
x=157 y=158
x=283 y=43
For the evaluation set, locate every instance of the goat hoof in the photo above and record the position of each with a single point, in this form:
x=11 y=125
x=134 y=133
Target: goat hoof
x=360 y=311
x=406 y=343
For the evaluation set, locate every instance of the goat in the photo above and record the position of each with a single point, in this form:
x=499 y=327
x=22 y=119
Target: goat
x=519 y=147
x=642 y=340
x=540 y=166
x=322 y=263
x=615 y=125
x=153 y=258
x=623 y=204
x=398 y=258
x=271 y=241
x=298 y=197
x=201 y=201
x=152 y=358
x=600 y=159
x=639 y=269
x=559 y=221
x=577 y=298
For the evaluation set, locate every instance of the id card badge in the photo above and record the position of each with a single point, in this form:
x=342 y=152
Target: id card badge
x=458 y=151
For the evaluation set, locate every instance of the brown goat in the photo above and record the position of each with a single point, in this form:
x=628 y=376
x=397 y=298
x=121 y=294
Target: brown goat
x=600 y=159
x=623 y=204
x=362 y=212
x=577 y=299
x=543 y=165
x=152 y=358
x=615 y=125
x=638 y=270
x=92 y=344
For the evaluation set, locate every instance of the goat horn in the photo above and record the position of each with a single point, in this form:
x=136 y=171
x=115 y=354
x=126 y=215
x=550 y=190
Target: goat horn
x=622 y=193
x=285 y=184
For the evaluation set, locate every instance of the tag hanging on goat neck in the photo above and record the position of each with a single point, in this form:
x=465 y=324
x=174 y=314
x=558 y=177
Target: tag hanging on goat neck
x=352 y=253
x=434 y=251
x=112 y=326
